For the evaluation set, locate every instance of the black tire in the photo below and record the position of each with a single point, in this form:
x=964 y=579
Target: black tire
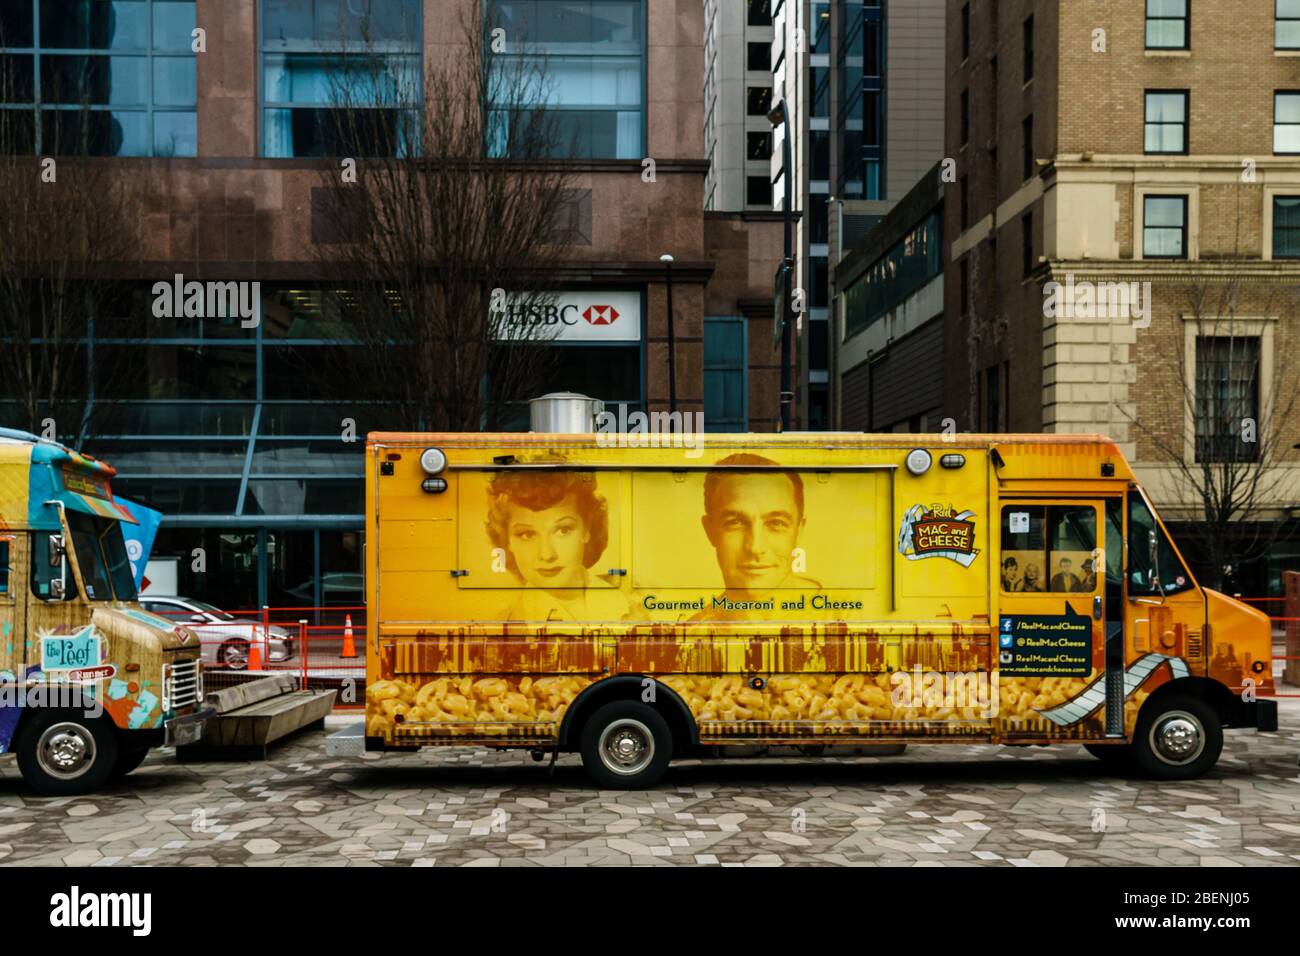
x=87 y=746
x=233 y=655
x=1117 y=758
x=128 y=760
x=639 y=728
x=1168 y=724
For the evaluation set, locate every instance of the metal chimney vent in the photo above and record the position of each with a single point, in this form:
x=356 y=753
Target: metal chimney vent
x=564 y=413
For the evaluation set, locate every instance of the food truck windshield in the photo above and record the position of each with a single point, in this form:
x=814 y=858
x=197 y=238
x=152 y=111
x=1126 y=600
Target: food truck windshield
x=101 y=556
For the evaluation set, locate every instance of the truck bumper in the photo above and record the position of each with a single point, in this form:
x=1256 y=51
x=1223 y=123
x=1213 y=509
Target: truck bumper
x=1260 y=714
x=180 y=731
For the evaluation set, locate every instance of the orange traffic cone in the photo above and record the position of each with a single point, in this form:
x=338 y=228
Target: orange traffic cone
x=349 y=645
x=255 y=654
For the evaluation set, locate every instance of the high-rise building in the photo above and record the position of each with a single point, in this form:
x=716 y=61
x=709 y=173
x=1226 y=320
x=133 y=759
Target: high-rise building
x=864 y=80
x=1122 y=239
x=737 y=95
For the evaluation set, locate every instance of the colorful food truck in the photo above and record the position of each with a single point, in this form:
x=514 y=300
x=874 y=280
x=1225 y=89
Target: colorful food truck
x=645 y=598
x=88 y=680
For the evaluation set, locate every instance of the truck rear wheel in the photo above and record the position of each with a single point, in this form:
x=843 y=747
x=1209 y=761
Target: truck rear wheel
x=65 y=753
x=626 y=745
x=1177 y=738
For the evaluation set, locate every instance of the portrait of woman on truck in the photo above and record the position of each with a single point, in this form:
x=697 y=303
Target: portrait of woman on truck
x=553 y=527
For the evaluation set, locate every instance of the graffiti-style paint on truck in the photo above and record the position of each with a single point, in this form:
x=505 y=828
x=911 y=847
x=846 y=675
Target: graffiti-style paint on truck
x=89 y=681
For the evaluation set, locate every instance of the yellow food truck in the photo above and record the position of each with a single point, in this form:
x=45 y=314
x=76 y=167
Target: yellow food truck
x=88 y=680
x=646 y=598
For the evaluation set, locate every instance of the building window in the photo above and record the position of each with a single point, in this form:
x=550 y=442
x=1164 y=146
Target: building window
x=964 y=286
x=324 y=60
x=759 y=57
x=725 y=374
x=820 y=84
x=965 y=117
x=1286 y=122
x=122 y=82
x=1027 y=243
x=1167 y=24
x=758 y=100
x=992 y=399
x=1286 y=31
x=1027 y=164
x=821 y=155
x=1286 y=227
x=760 y=13
x=758 y=191
x=1166 y=121
x=758 y=146
x=964 y=204
x=1227 y=393
x=965 y=32
x=1164 y=227
x=591 y=55
x=1029 y=49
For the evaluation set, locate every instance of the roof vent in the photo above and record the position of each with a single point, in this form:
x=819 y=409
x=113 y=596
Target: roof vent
x=564 y=413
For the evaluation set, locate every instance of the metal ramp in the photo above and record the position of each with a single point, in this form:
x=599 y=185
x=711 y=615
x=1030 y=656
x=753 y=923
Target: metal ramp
x=250 y=717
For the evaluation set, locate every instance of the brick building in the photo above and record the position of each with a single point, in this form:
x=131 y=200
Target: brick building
x=1131 y=142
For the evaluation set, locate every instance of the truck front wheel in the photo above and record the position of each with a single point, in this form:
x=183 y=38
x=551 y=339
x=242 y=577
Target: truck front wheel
x=65 y=753
x=1177 y=738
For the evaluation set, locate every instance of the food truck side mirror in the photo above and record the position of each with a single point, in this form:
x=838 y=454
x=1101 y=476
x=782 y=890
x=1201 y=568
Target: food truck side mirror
x=57 y=589
x=56 y=550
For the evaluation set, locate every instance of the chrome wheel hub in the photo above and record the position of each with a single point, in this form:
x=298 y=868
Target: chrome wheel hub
x=1177 y=738
x=66 y=750
x=626 y=746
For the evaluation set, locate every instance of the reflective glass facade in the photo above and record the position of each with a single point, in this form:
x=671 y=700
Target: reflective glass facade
x=592 y=54
x=862 y=99
x=99 y=77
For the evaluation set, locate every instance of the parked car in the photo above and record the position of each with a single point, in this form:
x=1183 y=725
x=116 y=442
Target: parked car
x=225 y=637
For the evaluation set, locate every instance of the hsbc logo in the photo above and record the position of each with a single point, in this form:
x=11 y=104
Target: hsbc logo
x=609 y=316
x=600 y=315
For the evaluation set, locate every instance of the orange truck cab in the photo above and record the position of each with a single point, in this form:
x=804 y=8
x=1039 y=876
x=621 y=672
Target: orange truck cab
x=639 y=597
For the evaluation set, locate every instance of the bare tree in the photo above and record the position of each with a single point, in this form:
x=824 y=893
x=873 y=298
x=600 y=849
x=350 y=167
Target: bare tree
x=1228 y=466
x=64 y=234
x=448 y=243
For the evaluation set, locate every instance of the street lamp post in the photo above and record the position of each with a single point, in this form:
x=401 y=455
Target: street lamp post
x=780 y=116
x=667 y=260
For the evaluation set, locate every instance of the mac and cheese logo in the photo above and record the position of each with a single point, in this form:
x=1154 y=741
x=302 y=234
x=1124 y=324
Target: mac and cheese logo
x=600 y=314
x=938 y=531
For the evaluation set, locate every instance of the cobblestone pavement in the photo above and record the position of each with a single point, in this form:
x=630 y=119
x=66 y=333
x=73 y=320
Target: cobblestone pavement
x=955 y=805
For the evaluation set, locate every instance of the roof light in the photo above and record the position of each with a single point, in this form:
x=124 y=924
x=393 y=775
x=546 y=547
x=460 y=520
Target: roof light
x=433 y=461
x=919 y=461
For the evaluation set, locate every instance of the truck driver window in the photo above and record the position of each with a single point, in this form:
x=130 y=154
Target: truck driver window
x=90 y=559
x=43 y=575
x=1173 y=576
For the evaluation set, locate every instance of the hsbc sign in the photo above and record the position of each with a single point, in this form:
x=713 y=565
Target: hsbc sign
x=577 y=317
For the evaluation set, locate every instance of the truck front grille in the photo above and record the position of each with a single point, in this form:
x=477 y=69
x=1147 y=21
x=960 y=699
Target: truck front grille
x=182 y=685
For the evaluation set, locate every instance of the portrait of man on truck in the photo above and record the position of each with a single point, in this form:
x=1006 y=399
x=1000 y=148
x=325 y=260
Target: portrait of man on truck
x=753 y=519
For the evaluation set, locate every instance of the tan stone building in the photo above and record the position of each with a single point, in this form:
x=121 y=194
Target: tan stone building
x=225 y=133
x=1132 y=142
